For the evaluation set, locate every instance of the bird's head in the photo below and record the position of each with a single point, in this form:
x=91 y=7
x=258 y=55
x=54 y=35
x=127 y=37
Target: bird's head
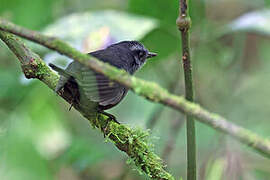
x=138 y=52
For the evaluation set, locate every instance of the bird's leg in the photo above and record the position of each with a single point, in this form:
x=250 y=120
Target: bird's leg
x=110 y=116
x=71 y=105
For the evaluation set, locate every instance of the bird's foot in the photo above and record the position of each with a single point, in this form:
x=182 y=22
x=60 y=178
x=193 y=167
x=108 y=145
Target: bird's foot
x=71 y=105
x=110 y=118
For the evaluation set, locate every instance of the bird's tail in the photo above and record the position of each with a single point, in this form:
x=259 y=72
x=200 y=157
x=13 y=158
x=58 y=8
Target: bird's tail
x=61 y=71
x=64 y=76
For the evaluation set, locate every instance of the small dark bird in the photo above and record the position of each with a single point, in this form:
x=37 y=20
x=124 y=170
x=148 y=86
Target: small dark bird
x=95 y=91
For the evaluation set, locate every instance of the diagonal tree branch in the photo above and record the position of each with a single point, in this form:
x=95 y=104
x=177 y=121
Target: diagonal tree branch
x=132 y=142
x=149 y=90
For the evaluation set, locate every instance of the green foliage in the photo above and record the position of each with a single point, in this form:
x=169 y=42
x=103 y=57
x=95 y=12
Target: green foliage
x=165 y=11
x=215 y=172
x=92 y=30
x=255 y=22
x=28 y=13
x=39 y=136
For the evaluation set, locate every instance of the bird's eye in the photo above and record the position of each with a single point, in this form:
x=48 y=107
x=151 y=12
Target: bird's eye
x=141 y=54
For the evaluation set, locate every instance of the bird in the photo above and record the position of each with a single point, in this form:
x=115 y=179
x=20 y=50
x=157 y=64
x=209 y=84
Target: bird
x=94 y=91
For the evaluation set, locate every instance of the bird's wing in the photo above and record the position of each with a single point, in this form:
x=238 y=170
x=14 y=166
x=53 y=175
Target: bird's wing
x=99 y=88
x=95 y=86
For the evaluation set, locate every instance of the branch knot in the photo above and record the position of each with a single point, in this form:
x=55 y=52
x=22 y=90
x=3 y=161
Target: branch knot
x=183 y=23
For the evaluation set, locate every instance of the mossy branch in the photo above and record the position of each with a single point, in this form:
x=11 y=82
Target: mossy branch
x=132 y=141
x=149 y=90
x=184 y=23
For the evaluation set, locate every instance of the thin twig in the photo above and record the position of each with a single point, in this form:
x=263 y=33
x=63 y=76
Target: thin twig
x=184 y=23
x=170 y=144
x=154 y=117
x=149 y=90
x=157 y=112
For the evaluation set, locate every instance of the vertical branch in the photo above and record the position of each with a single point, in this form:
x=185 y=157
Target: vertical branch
x=184 y=23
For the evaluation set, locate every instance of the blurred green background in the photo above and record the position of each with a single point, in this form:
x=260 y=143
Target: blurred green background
x=41 y=139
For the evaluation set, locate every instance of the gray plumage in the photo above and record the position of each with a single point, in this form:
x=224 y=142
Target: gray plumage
x=96 y=89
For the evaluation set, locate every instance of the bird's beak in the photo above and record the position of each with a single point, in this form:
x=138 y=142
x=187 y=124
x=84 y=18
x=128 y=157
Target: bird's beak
x=151 y=54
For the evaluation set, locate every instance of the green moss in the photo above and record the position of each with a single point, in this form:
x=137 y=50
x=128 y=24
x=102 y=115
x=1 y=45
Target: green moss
x=135 y=142
x=45 y=74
